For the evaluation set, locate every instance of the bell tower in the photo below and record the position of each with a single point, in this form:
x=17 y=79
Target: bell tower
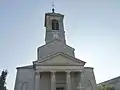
x=55 y=36
x=54 y=27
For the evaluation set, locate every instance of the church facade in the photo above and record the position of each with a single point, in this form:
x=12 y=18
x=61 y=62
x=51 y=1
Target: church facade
x=56 y=67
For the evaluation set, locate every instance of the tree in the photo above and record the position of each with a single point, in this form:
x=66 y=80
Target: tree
x=3 y=80
x=106 y=87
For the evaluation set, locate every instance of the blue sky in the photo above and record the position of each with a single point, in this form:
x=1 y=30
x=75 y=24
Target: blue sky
x=91 y=26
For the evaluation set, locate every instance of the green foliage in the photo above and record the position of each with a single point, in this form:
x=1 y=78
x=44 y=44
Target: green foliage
x=110 y=88
x=3 y=80
x=106 y=87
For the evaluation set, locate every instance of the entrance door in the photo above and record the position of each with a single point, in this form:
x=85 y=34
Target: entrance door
x=59 y=88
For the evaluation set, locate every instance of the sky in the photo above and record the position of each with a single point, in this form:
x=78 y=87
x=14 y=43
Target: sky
x=92 y=27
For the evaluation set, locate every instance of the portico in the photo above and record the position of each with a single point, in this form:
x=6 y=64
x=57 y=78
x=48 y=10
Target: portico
x=53 y=79
x=58 y=63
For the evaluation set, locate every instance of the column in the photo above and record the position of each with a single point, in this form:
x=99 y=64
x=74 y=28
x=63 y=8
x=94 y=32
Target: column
x=37 y=81
x=68 y=81
x=53 y=81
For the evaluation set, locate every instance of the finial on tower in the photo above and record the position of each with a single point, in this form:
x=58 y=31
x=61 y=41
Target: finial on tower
x=53 y=8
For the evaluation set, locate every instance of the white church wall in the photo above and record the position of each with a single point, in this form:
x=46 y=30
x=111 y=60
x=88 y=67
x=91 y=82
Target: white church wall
x=88 y=79
x=25 y=79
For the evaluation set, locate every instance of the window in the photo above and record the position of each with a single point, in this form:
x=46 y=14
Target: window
x=55 y=25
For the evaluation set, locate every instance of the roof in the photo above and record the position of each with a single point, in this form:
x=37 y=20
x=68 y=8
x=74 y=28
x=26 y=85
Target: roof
x=26 y=67
x=88 y=67
x=54 y=14
x=111 y=81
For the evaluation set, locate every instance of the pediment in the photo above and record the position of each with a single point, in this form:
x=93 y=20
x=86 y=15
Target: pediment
x=60 y=59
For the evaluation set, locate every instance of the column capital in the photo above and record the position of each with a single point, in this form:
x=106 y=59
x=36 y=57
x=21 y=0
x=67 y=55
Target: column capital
x=68 y=71
x=53 y=71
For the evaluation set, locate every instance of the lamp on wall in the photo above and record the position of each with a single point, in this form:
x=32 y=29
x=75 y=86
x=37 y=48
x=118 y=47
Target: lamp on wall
x=80 y=87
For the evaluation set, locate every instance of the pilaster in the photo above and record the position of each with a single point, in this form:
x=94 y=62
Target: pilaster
x=68 y=77
x=37 y=80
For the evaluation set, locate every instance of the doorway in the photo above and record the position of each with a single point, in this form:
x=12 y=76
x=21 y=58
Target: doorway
x=59 y=88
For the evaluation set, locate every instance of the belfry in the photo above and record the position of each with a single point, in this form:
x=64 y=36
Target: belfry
x=56 y=67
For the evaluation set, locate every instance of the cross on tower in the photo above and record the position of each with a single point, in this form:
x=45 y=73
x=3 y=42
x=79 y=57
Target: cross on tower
x=53 y=7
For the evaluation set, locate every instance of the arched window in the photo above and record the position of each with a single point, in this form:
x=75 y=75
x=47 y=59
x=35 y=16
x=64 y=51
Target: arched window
x=55 y=25
x=24 y=86
x=89 y=86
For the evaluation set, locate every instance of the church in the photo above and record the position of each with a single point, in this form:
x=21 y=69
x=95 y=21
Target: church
x=56 y=67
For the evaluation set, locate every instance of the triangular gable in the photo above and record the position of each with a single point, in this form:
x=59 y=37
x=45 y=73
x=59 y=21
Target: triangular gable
x=60 y=59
